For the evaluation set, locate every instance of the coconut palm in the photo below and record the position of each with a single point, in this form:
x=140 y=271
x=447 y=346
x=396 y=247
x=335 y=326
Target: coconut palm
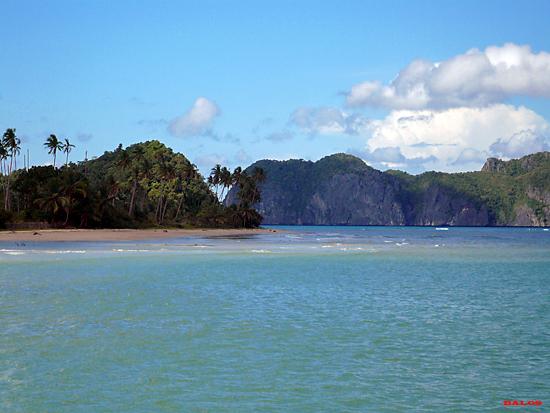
x=54 y=203
x=10 y=142
x=225 y=180
x=3 y=157
x=3 y=169
x=72 y=193
x=53 y=145
x=215 y=173
x=236 y=176
x=67 y=148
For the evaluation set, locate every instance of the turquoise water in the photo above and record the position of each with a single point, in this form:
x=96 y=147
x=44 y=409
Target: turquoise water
x=320 y=319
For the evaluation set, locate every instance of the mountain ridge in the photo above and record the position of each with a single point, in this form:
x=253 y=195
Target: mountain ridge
x=342 y=189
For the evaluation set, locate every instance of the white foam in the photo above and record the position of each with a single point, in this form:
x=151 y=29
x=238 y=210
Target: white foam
x=14 y=252
x=442 y=229
x=261 y=251
x=351 y=249
x=129 y=250
x=64 y=252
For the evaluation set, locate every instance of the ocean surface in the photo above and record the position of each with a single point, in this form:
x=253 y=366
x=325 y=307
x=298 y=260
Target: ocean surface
x=313 y=319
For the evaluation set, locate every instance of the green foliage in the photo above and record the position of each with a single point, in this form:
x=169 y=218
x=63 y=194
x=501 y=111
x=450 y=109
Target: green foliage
x=501 y=189
x=143 y=185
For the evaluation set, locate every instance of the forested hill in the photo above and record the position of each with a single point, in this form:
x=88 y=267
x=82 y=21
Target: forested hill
x=143 y=185
x=342 y=190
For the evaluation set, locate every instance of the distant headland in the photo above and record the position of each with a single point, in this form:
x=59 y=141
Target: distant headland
x=342 y=190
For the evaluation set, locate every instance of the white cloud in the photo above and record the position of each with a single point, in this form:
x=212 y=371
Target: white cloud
x=195 y=121
x=475 y=78
x=392 y=158
x=327 y=121
x=470 y=156
x=451 y=139
x=521 y=143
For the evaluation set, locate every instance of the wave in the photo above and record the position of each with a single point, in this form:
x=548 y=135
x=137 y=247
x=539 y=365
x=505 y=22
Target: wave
x=62 y=251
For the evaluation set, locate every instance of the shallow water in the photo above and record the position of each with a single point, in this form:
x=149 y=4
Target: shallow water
x=358 y=319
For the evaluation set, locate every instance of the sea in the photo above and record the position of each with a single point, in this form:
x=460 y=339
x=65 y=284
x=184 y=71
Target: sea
x=304 y=319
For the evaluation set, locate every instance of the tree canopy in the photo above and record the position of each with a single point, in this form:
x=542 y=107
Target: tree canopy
x=145 y=184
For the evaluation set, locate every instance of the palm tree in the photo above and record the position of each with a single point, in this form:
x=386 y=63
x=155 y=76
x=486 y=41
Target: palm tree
x=53 y=145
x=236 y=176
x=3 y=157
x=11 y=142
x=3 y=169
x=186 y=175
x=73 y=192
x=67 y=148
x=54 y=203
x=215 y=173
x=225 y=180
x=258 y=175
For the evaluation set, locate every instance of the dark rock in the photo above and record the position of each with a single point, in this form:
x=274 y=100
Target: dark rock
x=342 y=190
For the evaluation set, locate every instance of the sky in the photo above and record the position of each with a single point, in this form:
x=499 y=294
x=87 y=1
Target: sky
x=410 y=85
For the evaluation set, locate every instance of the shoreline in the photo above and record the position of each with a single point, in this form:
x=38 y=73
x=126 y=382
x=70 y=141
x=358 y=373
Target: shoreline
x=105 y=235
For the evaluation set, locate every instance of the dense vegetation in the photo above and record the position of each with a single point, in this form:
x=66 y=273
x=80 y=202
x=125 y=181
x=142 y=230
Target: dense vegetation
x=502 y=186
x=511 y=192
x=143 y=185
x=300 y=178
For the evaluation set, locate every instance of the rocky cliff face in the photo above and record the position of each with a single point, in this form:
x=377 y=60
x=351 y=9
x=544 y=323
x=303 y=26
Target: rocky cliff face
x=440 y=206
x=361 y=198
x=342 y=190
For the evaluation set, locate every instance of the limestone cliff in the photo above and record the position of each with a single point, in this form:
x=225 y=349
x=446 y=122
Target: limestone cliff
x=342 y=190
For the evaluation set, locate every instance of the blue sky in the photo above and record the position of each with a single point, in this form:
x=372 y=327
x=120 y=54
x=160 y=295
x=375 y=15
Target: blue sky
x=233 y=82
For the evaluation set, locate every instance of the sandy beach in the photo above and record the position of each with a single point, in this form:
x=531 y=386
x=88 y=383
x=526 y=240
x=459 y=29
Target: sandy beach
x=123 y=234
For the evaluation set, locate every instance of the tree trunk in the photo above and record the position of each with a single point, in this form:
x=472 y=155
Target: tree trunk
x=159 y=207
x=66 y=217
x=179 y=209
x=7 y=201
x=133 y=197
x=164 y=210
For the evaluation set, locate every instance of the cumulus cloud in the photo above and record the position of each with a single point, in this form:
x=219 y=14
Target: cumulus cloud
x=475 y=78
x=392 y=158
x=451 y=139
x=471 y=156
x=520 y=143
x=195 y=121
x=327 y=121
